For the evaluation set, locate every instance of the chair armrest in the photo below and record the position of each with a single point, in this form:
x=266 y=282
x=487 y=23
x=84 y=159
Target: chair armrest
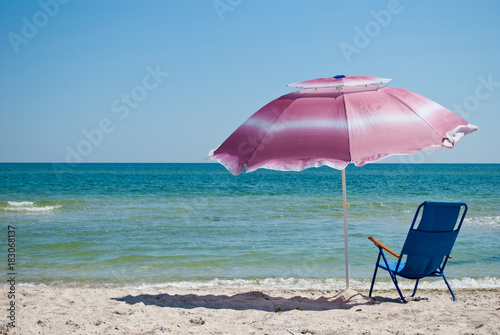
x=383 y=246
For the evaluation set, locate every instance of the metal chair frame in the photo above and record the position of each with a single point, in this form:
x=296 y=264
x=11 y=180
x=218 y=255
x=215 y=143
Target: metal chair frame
x=396 y=271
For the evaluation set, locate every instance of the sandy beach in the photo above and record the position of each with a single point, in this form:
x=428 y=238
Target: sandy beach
x=59 y=310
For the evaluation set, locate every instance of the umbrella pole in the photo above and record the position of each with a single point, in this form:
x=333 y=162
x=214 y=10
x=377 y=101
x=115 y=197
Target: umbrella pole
x=345 y=205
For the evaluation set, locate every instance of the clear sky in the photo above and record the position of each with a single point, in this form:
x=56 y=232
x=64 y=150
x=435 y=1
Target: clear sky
x=167 y=81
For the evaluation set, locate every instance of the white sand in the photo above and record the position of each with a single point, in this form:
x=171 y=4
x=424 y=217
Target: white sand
x=57 y=310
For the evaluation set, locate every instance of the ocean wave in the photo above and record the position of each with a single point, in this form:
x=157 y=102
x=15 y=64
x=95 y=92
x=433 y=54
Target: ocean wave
x=486 y=221
x=333 y=283
x=292 y=284
x=20 y=203
x=27 y=206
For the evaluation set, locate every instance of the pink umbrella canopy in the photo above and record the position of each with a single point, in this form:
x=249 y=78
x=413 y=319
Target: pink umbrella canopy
x=360 y=124
x=335 y=121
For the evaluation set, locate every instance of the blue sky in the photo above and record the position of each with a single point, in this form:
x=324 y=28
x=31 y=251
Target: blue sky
x=167 y=81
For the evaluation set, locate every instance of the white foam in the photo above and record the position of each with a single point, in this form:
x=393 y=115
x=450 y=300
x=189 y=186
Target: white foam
x=299 y=284
x=324 y=284
x=438 y=283
x=28 y=206
x=20 y=203
x=486 y=221
x=32 y=209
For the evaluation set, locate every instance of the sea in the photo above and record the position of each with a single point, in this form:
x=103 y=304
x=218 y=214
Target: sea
x=198 y=226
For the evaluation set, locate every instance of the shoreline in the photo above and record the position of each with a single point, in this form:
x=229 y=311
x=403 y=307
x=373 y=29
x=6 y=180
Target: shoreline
x=84 y=310
x=382 y=283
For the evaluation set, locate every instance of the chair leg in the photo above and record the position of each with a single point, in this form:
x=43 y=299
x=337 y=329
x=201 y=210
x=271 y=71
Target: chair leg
x=392 y=274
x=415 y=289
x=374 y=275
x=395 y=281
x=449 y=287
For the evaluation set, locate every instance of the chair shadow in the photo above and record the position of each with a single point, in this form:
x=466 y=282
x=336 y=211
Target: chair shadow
x=253 y=300
x=381 y=299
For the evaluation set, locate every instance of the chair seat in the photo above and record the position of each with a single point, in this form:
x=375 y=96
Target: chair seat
x=392 y=267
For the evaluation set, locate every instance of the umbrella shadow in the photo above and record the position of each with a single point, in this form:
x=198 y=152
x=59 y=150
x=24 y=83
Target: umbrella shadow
x=253 y=300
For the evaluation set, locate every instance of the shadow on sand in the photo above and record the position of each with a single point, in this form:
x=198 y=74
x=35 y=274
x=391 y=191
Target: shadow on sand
x=255 y=300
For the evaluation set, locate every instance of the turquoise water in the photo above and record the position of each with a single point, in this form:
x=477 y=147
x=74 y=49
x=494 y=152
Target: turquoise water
x=196 y=224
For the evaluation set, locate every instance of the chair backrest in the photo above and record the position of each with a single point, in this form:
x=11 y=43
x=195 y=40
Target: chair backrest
x=429 y=243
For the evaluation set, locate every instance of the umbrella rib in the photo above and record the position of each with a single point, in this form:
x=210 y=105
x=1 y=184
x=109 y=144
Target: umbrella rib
x=414 y=112
x=347 y=128
x=272 y=124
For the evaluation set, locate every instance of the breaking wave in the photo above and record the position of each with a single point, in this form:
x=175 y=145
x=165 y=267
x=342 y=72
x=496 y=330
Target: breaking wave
x=293 y=284
x=29 y=206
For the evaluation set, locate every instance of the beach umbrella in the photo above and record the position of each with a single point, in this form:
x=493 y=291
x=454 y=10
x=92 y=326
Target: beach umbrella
x=336 y=121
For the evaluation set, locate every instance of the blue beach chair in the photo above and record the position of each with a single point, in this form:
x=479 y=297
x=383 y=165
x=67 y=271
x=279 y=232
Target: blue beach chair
x=427 y=246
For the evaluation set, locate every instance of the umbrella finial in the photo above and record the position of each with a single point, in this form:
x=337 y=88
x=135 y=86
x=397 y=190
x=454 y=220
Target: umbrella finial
x=339 y=76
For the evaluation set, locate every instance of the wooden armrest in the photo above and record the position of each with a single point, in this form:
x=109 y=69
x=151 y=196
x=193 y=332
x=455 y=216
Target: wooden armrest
x=383 y=246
